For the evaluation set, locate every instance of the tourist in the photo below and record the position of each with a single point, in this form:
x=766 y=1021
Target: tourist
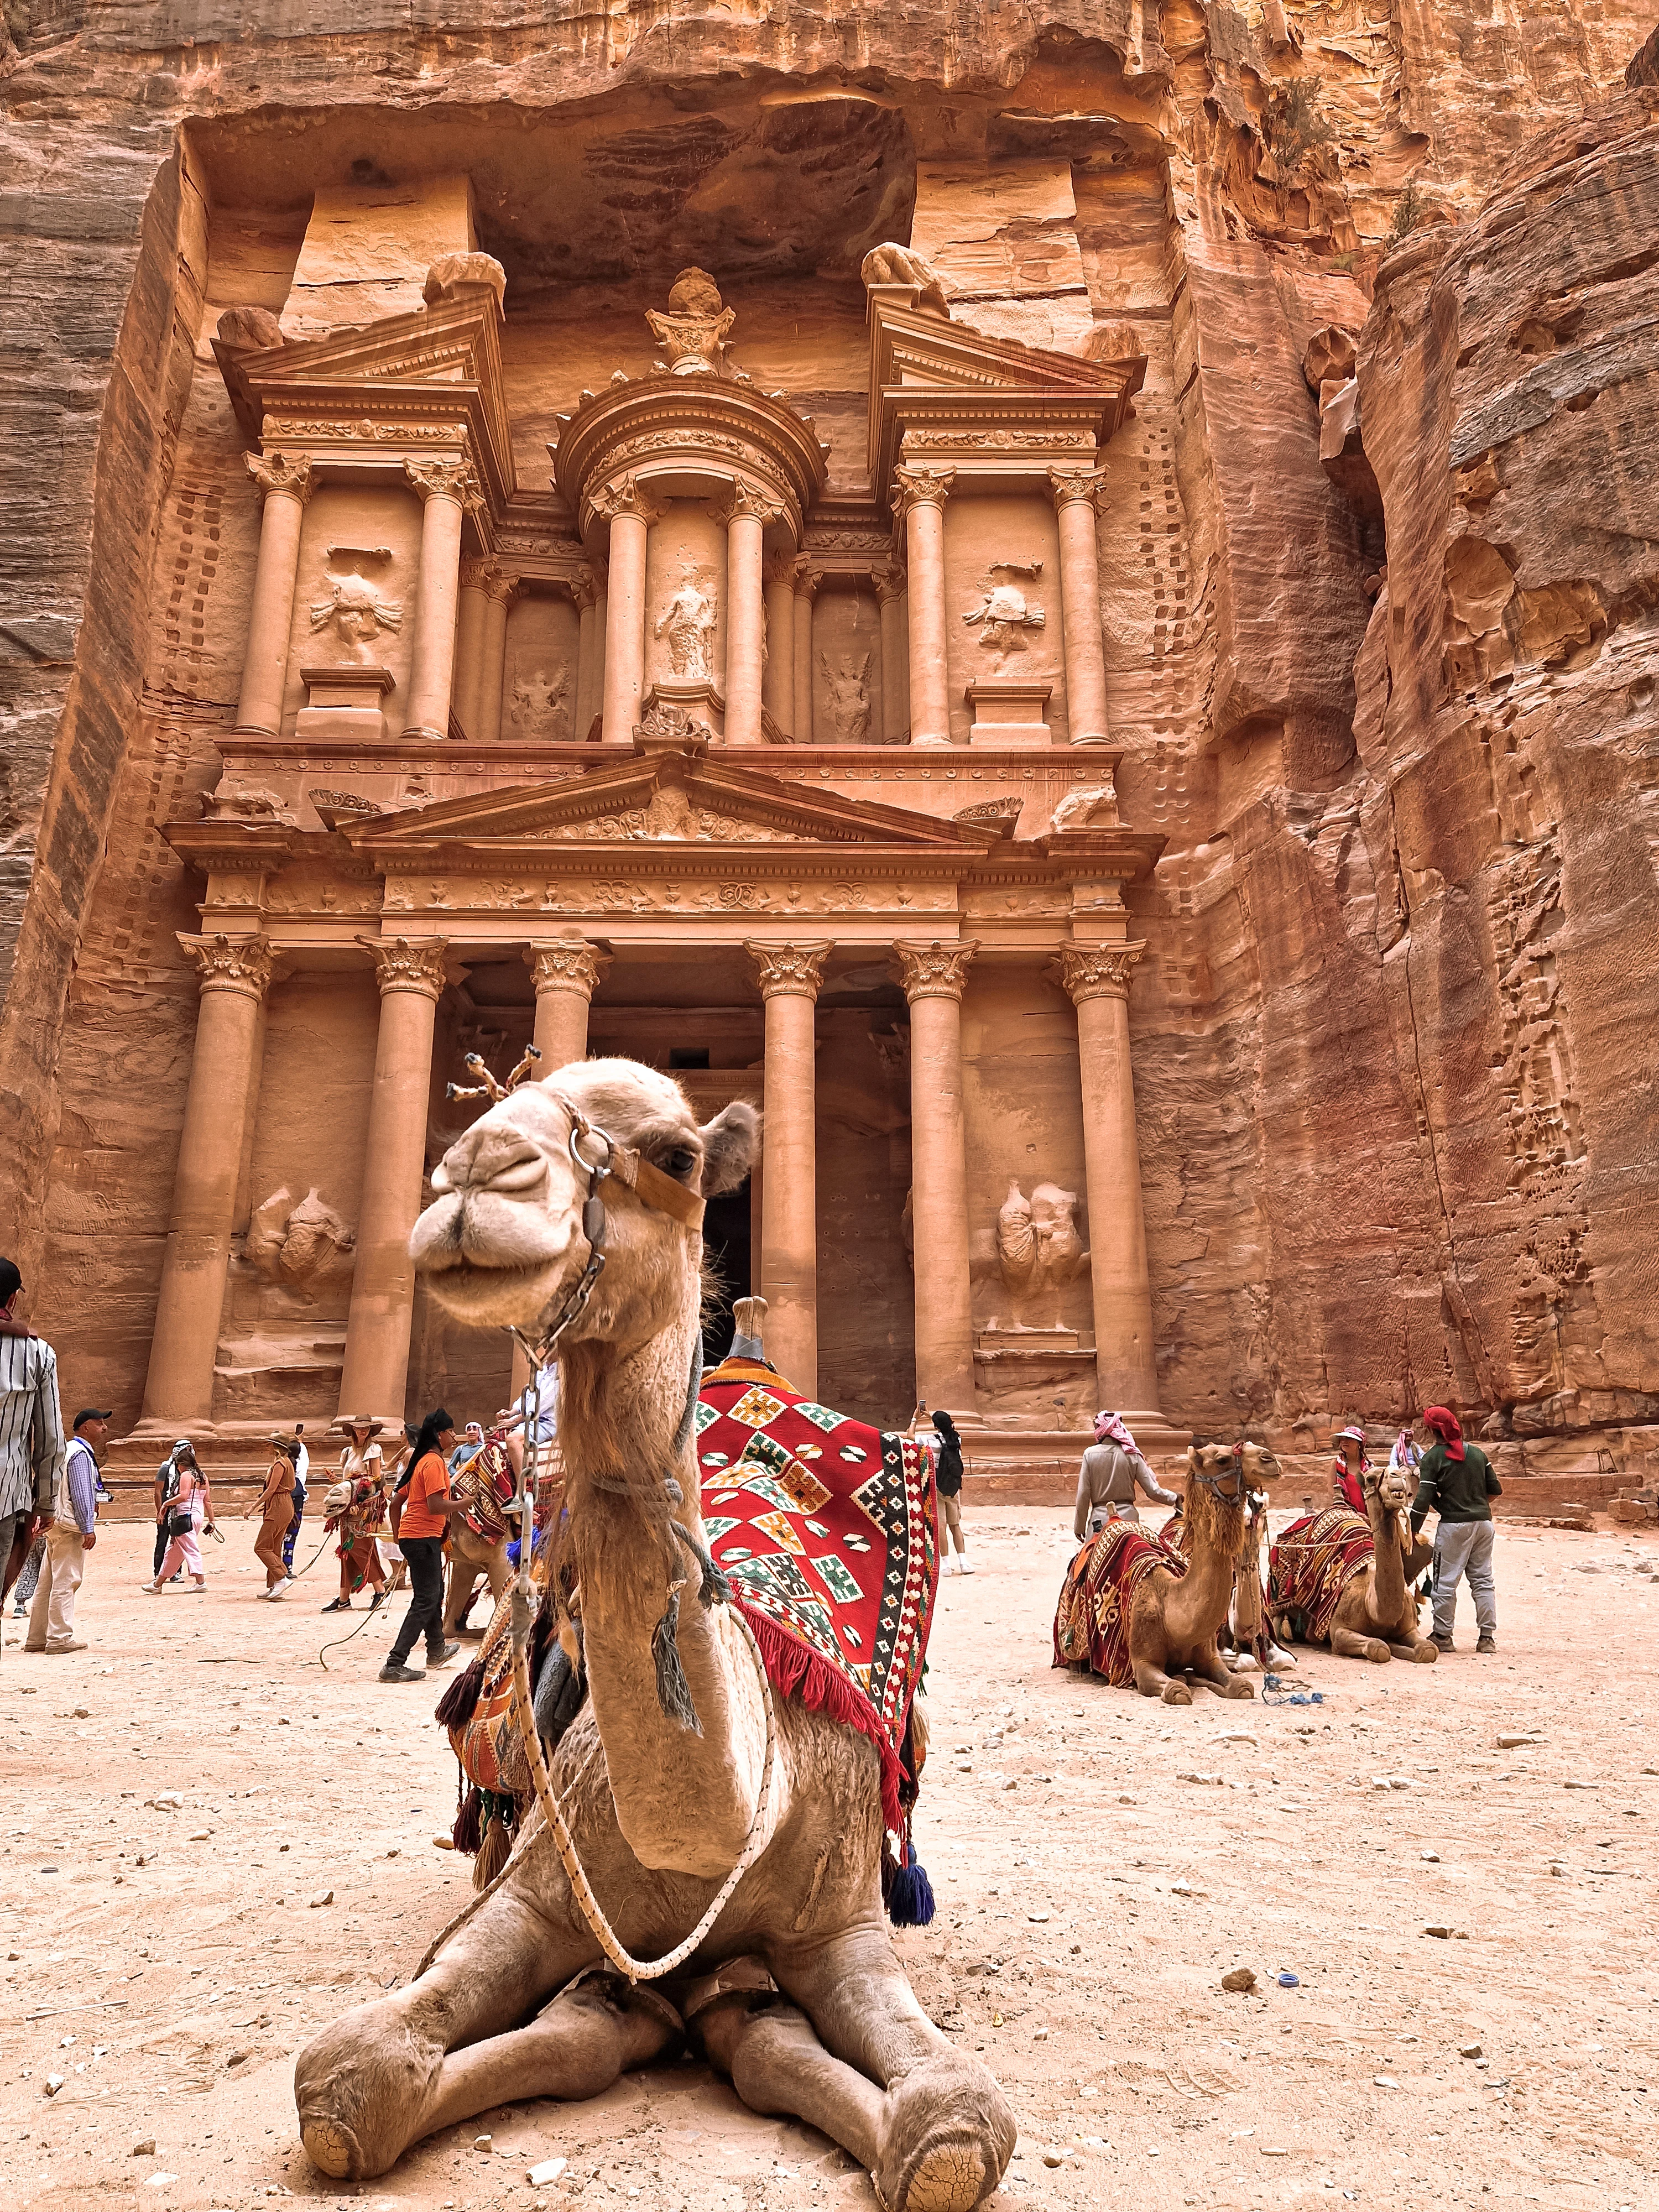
x=275 y=1503
x=1347 y=1468
x=1407 y=1455
x=947 y=1481
x=420 y=1518
x=164 y=1490
x=188 y=1508
x=300 y=1459
x=357 y=1509
x=1455 y=1481
x=1113 y=1468
x=31 y=1431
x=71 y=1536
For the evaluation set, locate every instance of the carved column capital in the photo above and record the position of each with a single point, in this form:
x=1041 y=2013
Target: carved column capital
x=788 y=970
x=937 y=970
x=625 y=495
x=567 y=963
x=746 y=499
x=1100 y=972
x=291 y=474
x=500 y=586
x=779 y=569
x=446 y=480
x=890 y=581
x=584 y=590
x=405 y=964
x=246 y=965
x=1084 y=487
x=807 y=578
x=921 y=488
x=474 y=574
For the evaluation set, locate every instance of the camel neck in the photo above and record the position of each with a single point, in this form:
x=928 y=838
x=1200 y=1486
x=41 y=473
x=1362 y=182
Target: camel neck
x=684 y=1796
x=1205 y=1589
x=1388 y=1562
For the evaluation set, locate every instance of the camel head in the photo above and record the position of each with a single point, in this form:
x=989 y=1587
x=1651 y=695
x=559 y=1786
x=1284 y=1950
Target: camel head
x=1216 y=1488
x=1260 y=1463
x=1394 y=1486
x=503 y=1241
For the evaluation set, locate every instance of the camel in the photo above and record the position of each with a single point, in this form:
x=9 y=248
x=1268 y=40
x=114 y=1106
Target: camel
x=1375 y=1616
x=1245 y=1628
x=1175 y=1619
x=664 y=1777
x=470 y=1556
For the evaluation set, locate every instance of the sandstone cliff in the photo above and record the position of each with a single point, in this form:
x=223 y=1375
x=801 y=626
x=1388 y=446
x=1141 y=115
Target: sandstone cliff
x=1381 y=649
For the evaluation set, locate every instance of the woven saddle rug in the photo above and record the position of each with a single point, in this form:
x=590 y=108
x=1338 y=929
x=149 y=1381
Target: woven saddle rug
x=1091 y=1621
x=827 y=1532
x=1312 y=1564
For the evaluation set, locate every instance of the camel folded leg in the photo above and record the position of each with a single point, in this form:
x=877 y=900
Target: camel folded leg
x=777 y=2065
x=374 y=2081
x=1348 y=1644
x=573 y=2049
x=1210 y=1667
x=943 y=2130
x=1420 y=1650
x=1153 y=1682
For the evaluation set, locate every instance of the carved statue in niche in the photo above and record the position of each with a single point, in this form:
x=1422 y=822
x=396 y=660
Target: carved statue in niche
x=693 y=332
x=898 y=264
x=1005 y=613
x=297 y=1246
x=246 y=802
x=1093 y=806
x=1038 y=1248
x=355 y=608
x=540 y=707
x=688 y=622
x=848 y=689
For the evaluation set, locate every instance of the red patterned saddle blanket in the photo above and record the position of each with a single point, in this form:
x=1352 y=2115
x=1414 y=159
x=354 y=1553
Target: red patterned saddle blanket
x=827 y=1532
x=1312 y=1564
x=1091 y=1620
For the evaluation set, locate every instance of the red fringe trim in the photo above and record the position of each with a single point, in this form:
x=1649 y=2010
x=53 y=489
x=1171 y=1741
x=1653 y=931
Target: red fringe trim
x=794 y=1671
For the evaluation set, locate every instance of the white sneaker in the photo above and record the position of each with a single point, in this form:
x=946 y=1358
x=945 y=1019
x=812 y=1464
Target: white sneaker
x=963 y=1567
x=281 y=1588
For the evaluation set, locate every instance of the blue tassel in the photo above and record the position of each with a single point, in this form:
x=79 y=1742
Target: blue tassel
x=910 y=1904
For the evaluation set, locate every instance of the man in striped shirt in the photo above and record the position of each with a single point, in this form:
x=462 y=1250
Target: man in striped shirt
x=31 y=1428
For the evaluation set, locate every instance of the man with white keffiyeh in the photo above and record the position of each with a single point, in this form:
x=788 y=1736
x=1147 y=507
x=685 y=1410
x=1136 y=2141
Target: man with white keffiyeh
x=1113 y=1469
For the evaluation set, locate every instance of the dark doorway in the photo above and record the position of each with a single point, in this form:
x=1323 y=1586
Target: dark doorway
x=726 y=1267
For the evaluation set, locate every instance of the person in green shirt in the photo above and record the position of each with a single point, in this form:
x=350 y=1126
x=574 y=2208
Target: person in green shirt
x=1455 y=1481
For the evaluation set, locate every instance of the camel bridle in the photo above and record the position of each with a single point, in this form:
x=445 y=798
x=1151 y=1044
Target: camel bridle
x=1235 y=1474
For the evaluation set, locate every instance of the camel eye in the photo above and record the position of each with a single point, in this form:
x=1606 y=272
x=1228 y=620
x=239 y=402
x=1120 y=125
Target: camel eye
x=681 y=1161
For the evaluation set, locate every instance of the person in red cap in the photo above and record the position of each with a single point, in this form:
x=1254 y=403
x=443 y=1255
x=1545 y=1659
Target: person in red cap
x=1455 y=1479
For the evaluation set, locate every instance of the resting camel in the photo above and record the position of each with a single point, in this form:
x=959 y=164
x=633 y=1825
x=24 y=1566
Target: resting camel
x=1376 y=1615
x=796 y=1993
x=1175 y=1619
x=1242 y=1626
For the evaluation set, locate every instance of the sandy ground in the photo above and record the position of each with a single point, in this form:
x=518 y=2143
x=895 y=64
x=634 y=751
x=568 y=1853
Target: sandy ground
x=1100 y=1861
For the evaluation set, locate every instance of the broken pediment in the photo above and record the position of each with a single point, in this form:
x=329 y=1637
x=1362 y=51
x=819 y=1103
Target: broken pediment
x=663 y=797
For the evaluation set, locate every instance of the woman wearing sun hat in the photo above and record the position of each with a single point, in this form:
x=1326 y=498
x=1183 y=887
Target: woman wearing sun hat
x=356 y=1508
x=1348 y=1467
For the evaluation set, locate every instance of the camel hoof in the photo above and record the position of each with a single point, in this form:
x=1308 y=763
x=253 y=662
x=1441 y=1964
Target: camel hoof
x=947 y=2138
x=1378 y=1654
x=948 y=2177
x=332 y=2149
x=1176 y=1693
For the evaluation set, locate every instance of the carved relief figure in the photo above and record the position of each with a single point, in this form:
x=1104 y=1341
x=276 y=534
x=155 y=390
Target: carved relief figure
x=688 y=622
x=693 y=332
x=1094 y=806
x=539 y=707
x=1038 y=1247
x=1005 y=612
x=357 y=613
x=298 y=1245
x=848 y=689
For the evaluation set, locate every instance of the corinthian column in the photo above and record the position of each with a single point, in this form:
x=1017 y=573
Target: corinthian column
x=585 y=592
x=224 y=1077
x=745 y=514
x=933 y=976
x=807 y=580
x=630 y=514
x=469 y=645
x=1097 y=981
x=779 y=693
x=286 y=482
x=448 y=488
x=567 y=971
x=410 y=974
x=789 y=976
x=920 y=498
x=891 y=585
x=1077 y=493
x=499 y=592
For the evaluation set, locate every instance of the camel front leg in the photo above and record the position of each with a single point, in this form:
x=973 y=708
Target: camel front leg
x=573 y=2049
x=943 y=2132
x=1153 y=1682
x=1416 y=1648
x=1348 y=1644
x=372 y=2081
x=777 y=2064
x=1210 y=1667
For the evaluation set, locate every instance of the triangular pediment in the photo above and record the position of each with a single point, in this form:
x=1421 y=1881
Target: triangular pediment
x=679 y=799
x=928 y=352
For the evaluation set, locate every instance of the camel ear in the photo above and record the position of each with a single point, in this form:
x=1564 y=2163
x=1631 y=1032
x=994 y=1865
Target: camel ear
x=730 y=1142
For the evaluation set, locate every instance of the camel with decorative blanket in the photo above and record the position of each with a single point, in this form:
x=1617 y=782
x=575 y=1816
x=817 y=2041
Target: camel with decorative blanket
x=1330 y=1581
x=685 y=1773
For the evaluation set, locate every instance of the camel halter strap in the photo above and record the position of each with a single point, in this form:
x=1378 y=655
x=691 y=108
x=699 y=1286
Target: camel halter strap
x=1212 y=1483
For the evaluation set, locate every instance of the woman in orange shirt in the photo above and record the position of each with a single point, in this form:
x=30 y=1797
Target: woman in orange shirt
x=421 y=1515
